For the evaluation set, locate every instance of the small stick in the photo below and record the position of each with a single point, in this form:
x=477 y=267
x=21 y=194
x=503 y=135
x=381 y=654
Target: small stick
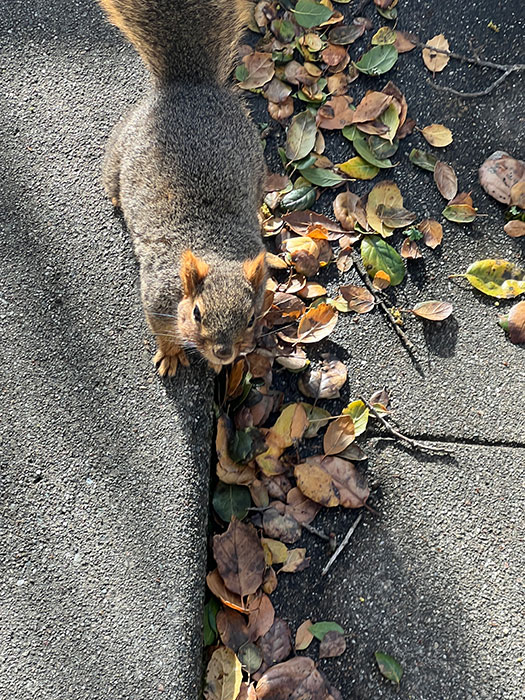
x=481 y=93
x=401 y=333
x=473 y=60
x=343 y=544
x=410 y=441
x=317 y=533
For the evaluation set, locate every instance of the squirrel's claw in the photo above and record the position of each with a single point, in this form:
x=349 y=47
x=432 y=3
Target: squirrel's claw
x=167 y=364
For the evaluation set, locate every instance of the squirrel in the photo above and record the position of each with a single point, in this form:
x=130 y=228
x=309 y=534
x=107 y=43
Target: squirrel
x=185 y=166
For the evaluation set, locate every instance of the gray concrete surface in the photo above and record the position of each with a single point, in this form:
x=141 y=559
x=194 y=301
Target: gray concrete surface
x=104 y=470
x=104 y=474
x=436 y=579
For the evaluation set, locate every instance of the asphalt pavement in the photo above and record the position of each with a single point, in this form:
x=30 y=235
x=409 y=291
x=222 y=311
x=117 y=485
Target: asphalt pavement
x=104 y=479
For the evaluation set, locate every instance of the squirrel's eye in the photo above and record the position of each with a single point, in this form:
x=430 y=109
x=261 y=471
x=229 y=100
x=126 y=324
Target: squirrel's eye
x=197 y=314
x=251 y=321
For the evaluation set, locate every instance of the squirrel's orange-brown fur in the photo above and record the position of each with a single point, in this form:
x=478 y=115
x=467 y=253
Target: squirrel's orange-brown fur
x=186 y=167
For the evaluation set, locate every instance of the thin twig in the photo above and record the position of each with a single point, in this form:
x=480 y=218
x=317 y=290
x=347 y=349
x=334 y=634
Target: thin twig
x=506 y=69
x=409 y=441
x=343 y=544
x=401 y=333
x=318 y=533
x=481 y=93
x=475 y=60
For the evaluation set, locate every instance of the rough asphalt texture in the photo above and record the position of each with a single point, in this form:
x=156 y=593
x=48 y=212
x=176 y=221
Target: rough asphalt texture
x=104 y=469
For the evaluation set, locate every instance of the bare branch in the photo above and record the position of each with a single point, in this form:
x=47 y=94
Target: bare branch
x=343 y=544
x=481 y=93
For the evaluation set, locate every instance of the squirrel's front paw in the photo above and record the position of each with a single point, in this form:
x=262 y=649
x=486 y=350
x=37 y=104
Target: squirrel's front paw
x=167 y=364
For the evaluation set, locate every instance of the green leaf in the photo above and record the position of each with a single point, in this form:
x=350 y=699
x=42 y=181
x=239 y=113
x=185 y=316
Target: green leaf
x=284 y=30
x=350 y=131
x=321 y=628
x=389 y=667
x=459 y=213
x=377 y=255
x=358 y=168
x=413 y=233
x=423 y=160
x=359 y=413
x=300 y=139
x=304 y=162
x=316 y=419
x=298 y=200
x=322 y=177
x=388 y=13
x=496 y=278
x=241 y=72
x=381 y=148
x=240 y=446
x=390 y=118
x=211 y=609
x=310 y=14
x=378 y=60
x=361 y=146
x=231 y=500
x=250 y=657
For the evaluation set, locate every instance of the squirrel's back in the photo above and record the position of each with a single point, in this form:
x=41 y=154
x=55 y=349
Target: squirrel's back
x=186 y=40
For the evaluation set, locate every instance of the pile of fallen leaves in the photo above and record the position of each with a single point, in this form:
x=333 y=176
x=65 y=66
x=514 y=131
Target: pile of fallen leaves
x=278 y=463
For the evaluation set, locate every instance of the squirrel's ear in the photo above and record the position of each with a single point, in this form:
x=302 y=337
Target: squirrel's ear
x=193 y=270
x=255 y=270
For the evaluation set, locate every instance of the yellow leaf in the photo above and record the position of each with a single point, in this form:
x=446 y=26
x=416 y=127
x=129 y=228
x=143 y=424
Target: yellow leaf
x=436 y=61
x=223 y=675
x=385 y=193
x=359 y=413
x=496 y=278
x=358 y=168
x=315 y=483
x=437 y=135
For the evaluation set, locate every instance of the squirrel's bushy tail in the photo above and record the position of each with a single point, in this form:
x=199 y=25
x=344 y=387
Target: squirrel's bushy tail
x=190 y=40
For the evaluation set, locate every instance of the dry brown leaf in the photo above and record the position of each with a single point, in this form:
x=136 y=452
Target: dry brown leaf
x=276 y=644
x=516 y=321
x=436 y=62
x=437 y=135
x=410 y=250
x=317 y=323
x=433 y=310
x=232 y=628
x=336 y=113
x=247 y=692
x=371 y=106
x=333 y=54
x=295 y=561
x=240 y=558
x=270 y=581
x=261 y=616
x=332 y=481
x=405 y=41
x=316 y=484
x=303 y=636
x=312 y=290
x=432 y=232
x=300 y=507
x=517 y=194
x=359 y=298
x=300 y=222
x=276 y=91
x=296 y=679
x=219 y=590
x=337 y=84
x=280 y=525
x=281 y=112
x=446 y=180
x=260 y=68
x=348 y=210
x=339 y=434
x=499 y=173
x=332 y=644
x=515 y=229
x=381 y=280
x=324 y=382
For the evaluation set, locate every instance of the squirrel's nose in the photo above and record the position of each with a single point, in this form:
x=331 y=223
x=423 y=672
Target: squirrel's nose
x=223 y=352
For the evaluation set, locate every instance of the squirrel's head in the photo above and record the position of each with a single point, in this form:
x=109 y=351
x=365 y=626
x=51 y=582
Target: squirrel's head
x=218 y=312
